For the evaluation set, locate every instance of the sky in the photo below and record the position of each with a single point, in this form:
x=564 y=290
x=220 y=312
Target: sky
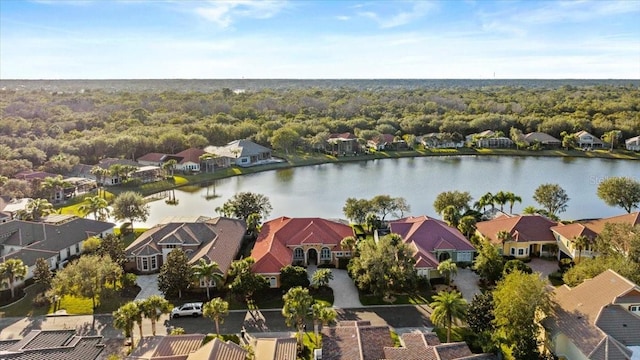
x=305 y=39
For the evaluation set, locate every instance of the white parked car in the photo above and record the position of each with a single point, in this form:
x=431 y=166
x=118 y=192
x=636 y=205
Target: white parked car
x=188 y=309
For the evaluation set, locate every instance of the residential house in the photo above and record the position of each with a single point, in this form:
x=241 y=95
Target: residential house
x=567 y=234
x=218 y=239
x=440 y=141
x=9 y=207
x=298 y=241
x=56 y=239
x=419 y=345
x=545 y=140
x=598 y=319
x=343 y=144
x=147 y=174
x=275 y=348
x=84 y=170
x=157 y=159
x=242 y=153
x=432 y=241
x=52 y=345
x=190 y=161
x=489 y=139
x=363 y=341
x=528 y=235
x=633 y=144
x=217 y=349
x=386 y=142
x=174 y=347
x=588 y=141
x=35 y=178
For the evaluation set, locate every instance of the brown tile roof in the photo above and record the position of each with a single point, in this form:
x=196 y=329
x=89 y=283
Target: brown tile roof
x=355 y=340
x=52 y=345
x=541 y=137
x=572 y=231
x=598 y=225
x=427 y=346
x=217 y=349
x=620 y=324
x=217 y=239
x=276 y=348
x=32 y=174
x=278 y=237
x=451 y=351
x=153 y=157
x=163 y=347
x=191 y=155
x=577 y=310
x=523 y=228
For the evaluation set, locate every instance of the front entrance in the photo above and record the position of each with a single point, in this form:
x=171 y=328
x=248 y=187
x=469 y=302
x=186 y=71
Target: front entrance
x=444 y=256
x=312 y=257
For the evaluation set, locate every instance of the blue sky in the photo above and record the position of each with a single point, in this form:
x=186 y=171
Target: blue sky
x=106 y=39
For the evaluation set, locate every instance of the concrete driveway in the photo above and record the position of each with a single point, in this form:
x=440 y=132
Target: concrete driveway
x=148 y=286
x=345 y=293
x=543 y=266
x=467 y=283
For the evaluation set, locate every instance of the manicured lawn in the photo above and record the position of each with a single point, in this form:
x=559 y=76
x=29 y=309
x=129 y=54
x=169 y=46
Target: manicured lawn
x=457 y=333
x=420 y=298
x=24 y=306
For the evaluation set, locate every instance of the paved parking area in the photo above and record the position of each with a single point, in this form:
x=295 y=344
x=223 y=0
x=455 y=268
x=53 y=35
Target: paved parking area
x=543 y=266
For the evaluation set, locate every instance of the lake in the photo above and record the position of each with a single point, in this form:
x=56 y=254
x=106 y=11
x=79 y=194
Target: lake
x=321 y=190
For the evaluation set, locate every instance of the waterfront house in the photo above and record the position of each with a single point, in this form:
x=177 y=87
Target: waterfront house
x=440 y=141
x=56 y=239
x=156 y=159
x=218 y=239
x=588 y=141
x=343 y=144
x=298 y=241
x=545 y=140
x=525 y=235
x=432 y=241
x=633 y=144
x=566 y=234
x=241 y=153
x=489 y=139
x=598 y=319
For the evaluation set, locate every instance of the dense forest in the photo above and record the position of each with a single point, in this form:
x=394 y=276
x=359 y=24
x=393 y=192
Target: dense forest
x=54 y=130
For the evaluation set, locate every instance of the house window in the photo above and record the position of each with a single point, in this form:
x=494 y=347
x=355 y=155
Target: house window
x=170 y=246
x=145 y=264
x=298 y=253
x=339 y=254
x=520 y=251
x=634 y=308
x=154 y=264
x=77 y=248
x=347 y=253
x=325 y=254
x=273 y=281
x=513 y=251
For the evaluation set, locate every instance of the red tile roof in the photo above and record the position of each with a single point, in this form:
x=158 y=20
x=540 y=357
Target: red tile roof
x=598 y=225
x=152 y=157
x=164 y=347
x=217 y=349
x=355 y=340
x=523 y=228
x=191 y=155
x=277 y=239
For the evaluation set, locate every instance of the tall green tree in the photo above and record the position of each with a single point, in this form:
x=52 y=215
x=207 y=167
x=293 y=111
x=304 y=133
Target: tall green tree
x=216 y=310
x=169 y=166
x=292 y=276
x=552 y=198
x=244 y=282
x=612 y=137
x=489 y=263
x=297 y=303
x=512 y=199
x=130 y=206
x=518 y=301
x=356 y=210
x=384 y=267
x=12 y=270
x=620 y=191
x=459 y=200
x=581 y=242
x=467 y=225
x=100 y=174
x=153 y=307
x=208 y=272
x=112 y=245
x=243 y=204
x=285 y=138
x=484 y=201
x=125 y=317
x=35 y=210
x=42 y=273
x=175 y=274
x=96 y=206
x=448 y=306
x=53 y=185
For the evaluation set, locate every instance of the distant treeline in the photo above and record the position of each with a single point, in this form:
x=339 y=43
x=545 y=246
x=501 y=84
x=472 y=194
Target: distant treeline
x=53 y=130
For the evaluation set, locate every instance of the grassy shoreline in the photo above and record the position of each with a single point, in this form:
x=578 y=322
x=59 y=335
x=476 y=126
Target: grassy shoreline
x=299 y=159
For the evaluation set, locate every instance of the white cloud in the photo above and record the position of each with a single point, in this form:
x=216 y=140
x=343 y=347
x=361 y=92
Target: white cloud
x=225 y=12
x=418 y=10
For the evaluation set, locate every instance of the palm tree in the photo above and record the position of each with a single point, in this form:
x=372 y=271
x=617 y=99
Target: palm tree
x=486 y=199
x=137 y=316
x=125 y=317
x=447 y=307
x=321 y=277
x=451 y=216
x=449 y=269
x=467 y=225
x=216 y=310
x=512 y=199
x=349 y=242
x=581 y=242
x=321 y=314
x=253 y=224
x=295 y=310
x=100 y=174
x=53 y=185
x=153 y=307
x=13 y=270
x=504 y=236
x=500 y=198
x=207 y=272
x=169 y=165
x=35 y=210
x=206 y=160
x=97 y=206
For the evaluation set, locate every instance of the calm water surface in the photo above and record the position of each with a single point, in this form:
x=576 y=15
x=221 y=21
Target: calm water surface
x=321 y=190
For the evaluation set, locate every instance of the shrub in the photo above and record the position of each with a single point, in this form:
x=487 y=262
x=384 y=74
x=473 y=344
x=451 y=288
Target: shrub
x=41 y=300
